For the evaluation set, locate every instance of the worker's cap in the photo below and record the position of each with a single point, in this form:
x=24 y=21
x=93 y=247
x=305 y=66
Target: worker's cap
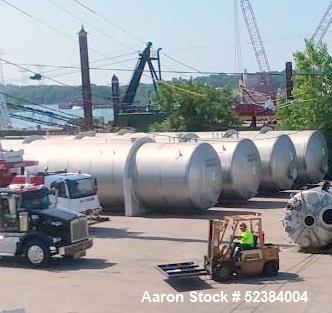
x=243 y=225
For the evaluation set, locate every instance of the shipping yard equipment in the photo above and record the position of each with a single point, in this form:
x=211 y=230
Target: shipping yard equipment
x=76 y=191
x=35 y=228
x=224 y=260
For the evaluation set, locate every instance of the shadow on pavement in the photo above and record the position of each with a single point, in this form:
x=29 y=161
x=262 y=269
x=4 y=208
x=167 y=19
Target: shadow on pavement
x=120 y=233
x=282 y=278
x=59 y=264
x=188 y=284
x=197 y=283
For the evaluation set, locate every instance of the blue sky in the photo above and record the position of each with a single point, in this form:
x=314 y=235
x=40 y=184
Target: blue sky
x=198 y=33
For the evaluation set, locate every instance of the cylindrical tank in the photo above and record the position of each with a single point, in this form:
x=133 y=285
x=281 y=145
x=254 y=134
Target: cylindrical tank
x=241 y=168
x=312 y=156
x=308 y=218
x=310 y=146
x=178 y=176
x=186 y=176
x=278 y=157
x=106 y=161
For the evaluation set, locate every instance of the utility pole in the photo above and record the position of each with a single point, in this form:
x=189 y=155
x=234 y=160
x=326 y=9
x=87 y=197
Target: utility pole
x=85 y=73
x=289 y=80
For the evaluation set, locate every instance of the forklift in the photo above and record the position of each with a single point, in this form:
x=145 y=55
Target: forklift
x=224 y=259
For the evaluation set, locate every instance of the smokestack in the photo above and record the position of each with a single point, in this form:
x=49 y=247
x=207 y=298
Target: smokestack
x=85 y=73
x=116 y=98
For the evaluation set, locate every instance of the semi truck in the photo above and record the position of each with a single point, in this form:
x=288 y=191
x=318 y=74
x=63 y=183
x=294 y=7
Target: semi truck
x=76 y=191
x=33 y=226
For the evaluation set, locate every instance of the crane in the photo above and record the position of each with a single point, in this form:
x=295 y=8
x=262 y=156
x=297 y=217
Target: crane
x=257 y=42
x=252 y=102
x=144 y=58
x=323 y=26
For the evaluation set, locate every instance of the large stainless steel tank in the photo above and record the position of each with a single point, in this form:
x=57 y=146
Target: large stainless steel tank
x=308 y=218
x=310 y=146
x=241 y=168
x=174 y=176
x=186 y=176
x=312 y=156
x=240 y=162
x=279 y=163
x=106 y=161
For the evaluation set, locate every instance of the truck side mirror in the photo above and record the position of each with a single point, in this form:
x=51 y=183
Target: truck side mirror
x=54 y=193
x=24 y=221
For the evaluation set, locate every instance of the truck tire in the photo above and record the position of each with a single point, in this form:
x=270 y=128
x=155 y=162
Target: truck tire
x=270 y=269
x=36 y=253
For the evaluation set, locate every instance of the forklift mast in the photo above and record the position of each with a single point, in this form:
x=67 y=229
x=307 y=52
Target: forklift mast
x=144 y=58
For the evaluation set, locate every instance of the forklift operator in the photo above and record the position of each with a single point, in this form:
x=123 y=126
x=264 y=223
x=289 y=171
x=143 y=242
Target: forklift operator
x=247 y=240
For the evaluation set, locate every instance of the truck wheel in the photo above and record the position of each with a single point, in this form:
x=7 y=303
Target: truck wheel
x=270 y=269
x=36 y=253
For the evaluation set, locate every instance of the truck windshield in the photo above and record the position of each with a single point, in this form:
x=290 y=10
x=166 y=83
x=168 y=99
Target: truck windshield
x=36 y=199
x=80 y=188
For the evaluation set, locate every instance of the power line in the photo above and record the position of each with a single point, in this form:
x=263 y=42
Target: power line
x=49 y=26
x=163 y=71
x=37 y=104
x=60 y=68
x=37 y=19
x=91 y=68
x=183 y=64
x=109 y=21
x=50 y=78
x=122 y=29
x=92 y=26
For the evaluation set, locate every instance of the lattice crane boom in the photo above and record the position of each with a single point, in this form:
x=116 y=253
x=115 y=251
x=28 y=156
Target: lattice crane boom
x=256 y=39
x=323 y=26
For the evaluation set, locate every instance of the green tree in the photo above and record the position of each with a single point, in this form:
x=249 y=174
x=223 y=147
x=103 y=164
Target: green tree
x=194 y=107
x=312 y=104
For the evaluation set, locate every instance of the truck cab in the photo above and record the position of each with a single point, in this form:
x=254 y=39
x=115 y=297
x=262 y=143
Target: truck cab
x=35 y=227
x=76 y=191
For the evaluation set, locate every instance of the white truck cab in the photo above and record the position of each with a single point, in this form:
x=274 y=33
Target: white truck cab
x=76 y=191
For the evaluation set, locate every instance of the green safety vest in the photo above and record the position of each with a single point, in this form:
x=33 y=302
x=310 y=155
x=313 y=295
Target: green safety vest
x=247 y=238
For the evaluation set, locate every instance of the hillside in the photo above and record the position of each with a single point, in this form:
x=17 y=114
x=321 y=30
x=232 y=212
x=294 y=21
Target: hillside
x=51 y=94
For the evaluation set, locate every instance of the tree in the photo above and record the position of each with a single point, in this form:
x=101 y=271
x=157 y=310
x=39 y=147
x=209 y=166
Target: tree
x=194 y=107
x=312 y=104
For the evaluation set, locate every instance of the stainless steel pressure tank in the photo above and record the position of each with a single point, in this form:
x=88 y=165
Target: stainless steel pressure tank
x=241 y=168
x=278 y=157
x=312 y=156
x=308 y=218
x=106 y=161
x=186 y=176
x=167 y=176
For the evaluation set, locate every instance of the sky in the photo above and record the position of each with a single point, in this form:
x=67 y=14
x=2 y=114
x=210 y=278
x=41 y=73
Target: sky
x=195 y=32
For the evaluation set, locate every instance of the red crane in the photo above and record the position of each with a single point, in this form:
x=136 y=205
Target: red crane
x=254 y=102
x=257 y=42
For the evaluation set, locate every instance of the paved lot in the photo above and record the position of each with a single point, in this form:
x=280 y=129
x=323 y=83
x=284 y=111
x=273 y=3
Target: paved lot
x=121 y=266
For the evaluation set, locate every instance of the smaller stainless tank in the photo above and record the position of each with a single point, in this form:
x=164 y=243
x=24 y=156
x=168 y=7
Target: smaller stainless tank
x=278 y=157
x=241 y=168
x=182 y=176
x=312 y=156
x=308 y=218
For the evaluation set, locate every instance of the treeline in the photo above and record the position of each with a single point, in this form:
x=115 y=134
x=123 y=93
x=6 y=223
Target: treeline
x=51 y=94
